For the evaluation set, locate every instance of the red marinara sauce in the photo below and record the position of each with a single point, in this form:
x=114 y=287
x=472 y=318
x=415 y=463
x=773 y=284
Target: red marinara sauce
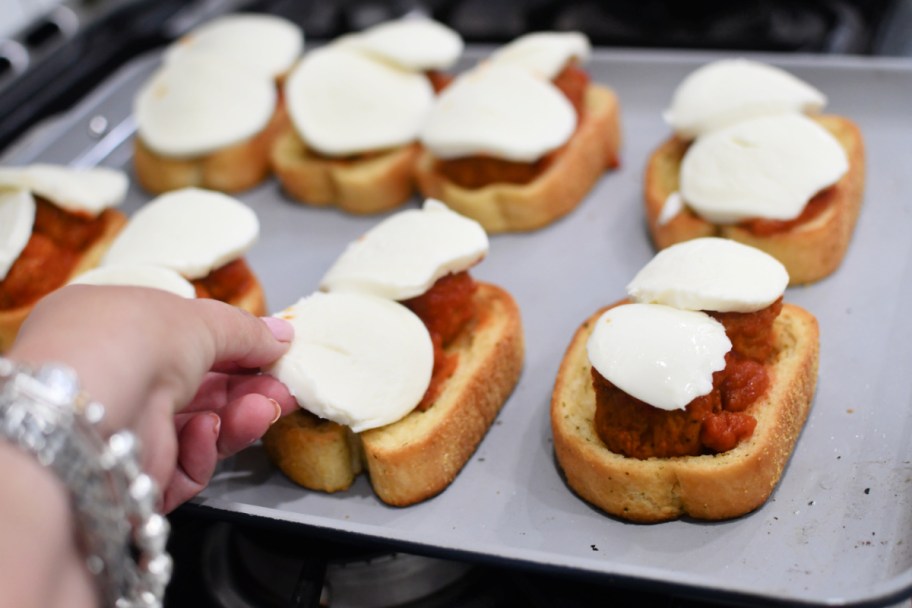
x=446 y=308
x=713 y=423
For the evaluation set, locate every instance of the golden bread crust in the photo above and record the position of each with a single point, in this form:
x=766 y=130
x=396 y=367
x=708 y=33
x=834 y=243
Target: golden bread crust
x=810 y=251
x=253 y=299
x=711 y=487
x=231 y=169
x=556 y=192
x=11 y=320
x=372 y=185
x=419 y=456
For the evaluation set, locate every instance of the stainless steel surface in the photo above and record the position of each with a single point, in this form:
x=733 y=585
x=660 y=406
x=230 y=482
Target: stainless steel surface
x=837 y=529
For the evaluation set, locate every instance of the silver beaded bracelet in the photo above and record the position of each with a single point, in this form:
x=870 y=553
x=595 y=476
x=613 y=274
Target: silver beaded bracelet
x=44 y=412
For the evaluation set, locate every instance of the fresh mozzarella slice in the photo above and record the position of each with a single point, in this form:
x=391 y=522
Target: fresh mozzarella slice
x=356 y=359
x=264 y=44
x=544 y=53
x=730 y=90
x=767 y=167
x=191 y=231
x=88 y=191
x=402 y=256
x=200 y=104
x=343 y=102
x=660 y=355
x=17 y=216
x=416 y=44
x=138 y=275
x=710 y=274
x=501 y=111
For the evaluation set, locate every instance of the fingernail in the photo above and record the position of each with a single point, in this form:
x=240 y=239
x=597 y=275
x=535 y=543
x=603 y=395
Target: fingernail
x=216 y=424
x=278 y=411
x=280 y=328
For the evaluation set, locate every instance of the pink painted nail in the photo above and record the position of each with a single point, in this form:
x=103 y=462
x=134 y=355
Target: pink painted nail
x=278 y=411
x=280 y=328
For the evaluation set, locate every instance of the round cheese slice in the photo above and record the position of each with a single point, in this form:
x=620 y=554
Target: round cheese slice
x=660 y=355
x=190 y=231
x=724 y=92
x=501 y=111
x=545 y=54
x=17 y=217
x=710 y=274
x=416 y=44
x=767 y=167
x=200 y=104
x=138 y=275
x=356 y=359
x=343 y=102
x=266 y=45
x=402 y=256
x=88 y=191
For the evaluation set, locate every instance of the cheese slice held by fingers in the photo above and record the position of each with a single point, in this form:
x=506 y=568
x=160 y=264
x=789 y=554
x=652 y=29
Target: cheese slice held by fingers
x=404 y=255
x=191 y=231
x=356 y=359
x=138 y=275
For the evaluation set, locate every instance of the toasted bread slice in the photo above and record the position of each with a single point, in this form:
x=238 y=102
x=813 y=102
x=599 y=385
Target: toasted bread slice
x=11 y=319
x=593 y=147
x=252 y=299
x=231 y=169
x=374 y=184
x=419 y=456
x=809 y=251
x=711 y=487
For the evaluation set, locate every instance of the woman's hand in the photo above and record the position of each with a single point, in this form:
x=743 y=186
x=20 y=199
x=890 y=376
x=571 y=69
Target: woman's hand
x=180 y=373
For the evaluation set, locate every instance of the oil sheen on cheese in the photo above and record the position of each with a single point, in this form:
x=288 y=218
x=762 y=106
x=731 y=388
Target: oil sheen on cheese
x=724 y=92
x=191 y=231
x=344 y=102
x=356 y=359
x=416 y=44
x=88 y=191
x=138 y=275
x=501 y=111
x=767 y=167
x=660 y=355
x=17 y=216
x=201 y=104
x=263 y=44
x=544 y=54
x=405 y=254
x=710 y=274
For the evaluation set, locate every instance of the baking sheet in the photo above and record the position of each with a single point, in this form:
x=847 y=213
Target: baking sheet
x=836 y=531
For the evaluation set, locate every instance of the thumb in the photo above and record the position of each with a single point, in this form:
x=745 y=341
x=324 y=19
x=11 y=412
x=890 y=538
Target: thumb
x=239 y=339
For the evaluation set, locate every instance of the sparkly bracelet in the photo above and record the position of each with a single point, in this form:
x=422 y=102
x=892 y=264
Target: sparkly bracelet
x=44 y=412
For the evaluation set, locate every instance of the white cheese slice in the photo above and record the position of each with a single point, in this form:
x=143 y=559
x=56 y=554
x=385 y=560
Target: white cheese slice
x=264 y=44
x=138 y=275
x=356 y=359
x=724 y=92
x=200 y=104
x=767 y=167
x=544 y=54
x=672 y=206
x=89 y=191
x=501 y=111
x=660 y=355
x=402 y=256
x=17 y=216
x=343 y=102
x=710 y=274
x=191 y=231
x=417 y=44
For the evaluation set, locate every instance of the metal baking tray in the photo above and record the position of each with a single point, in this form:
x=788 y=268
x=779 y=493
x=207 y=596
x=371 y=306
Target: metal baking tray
x=838 y=528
